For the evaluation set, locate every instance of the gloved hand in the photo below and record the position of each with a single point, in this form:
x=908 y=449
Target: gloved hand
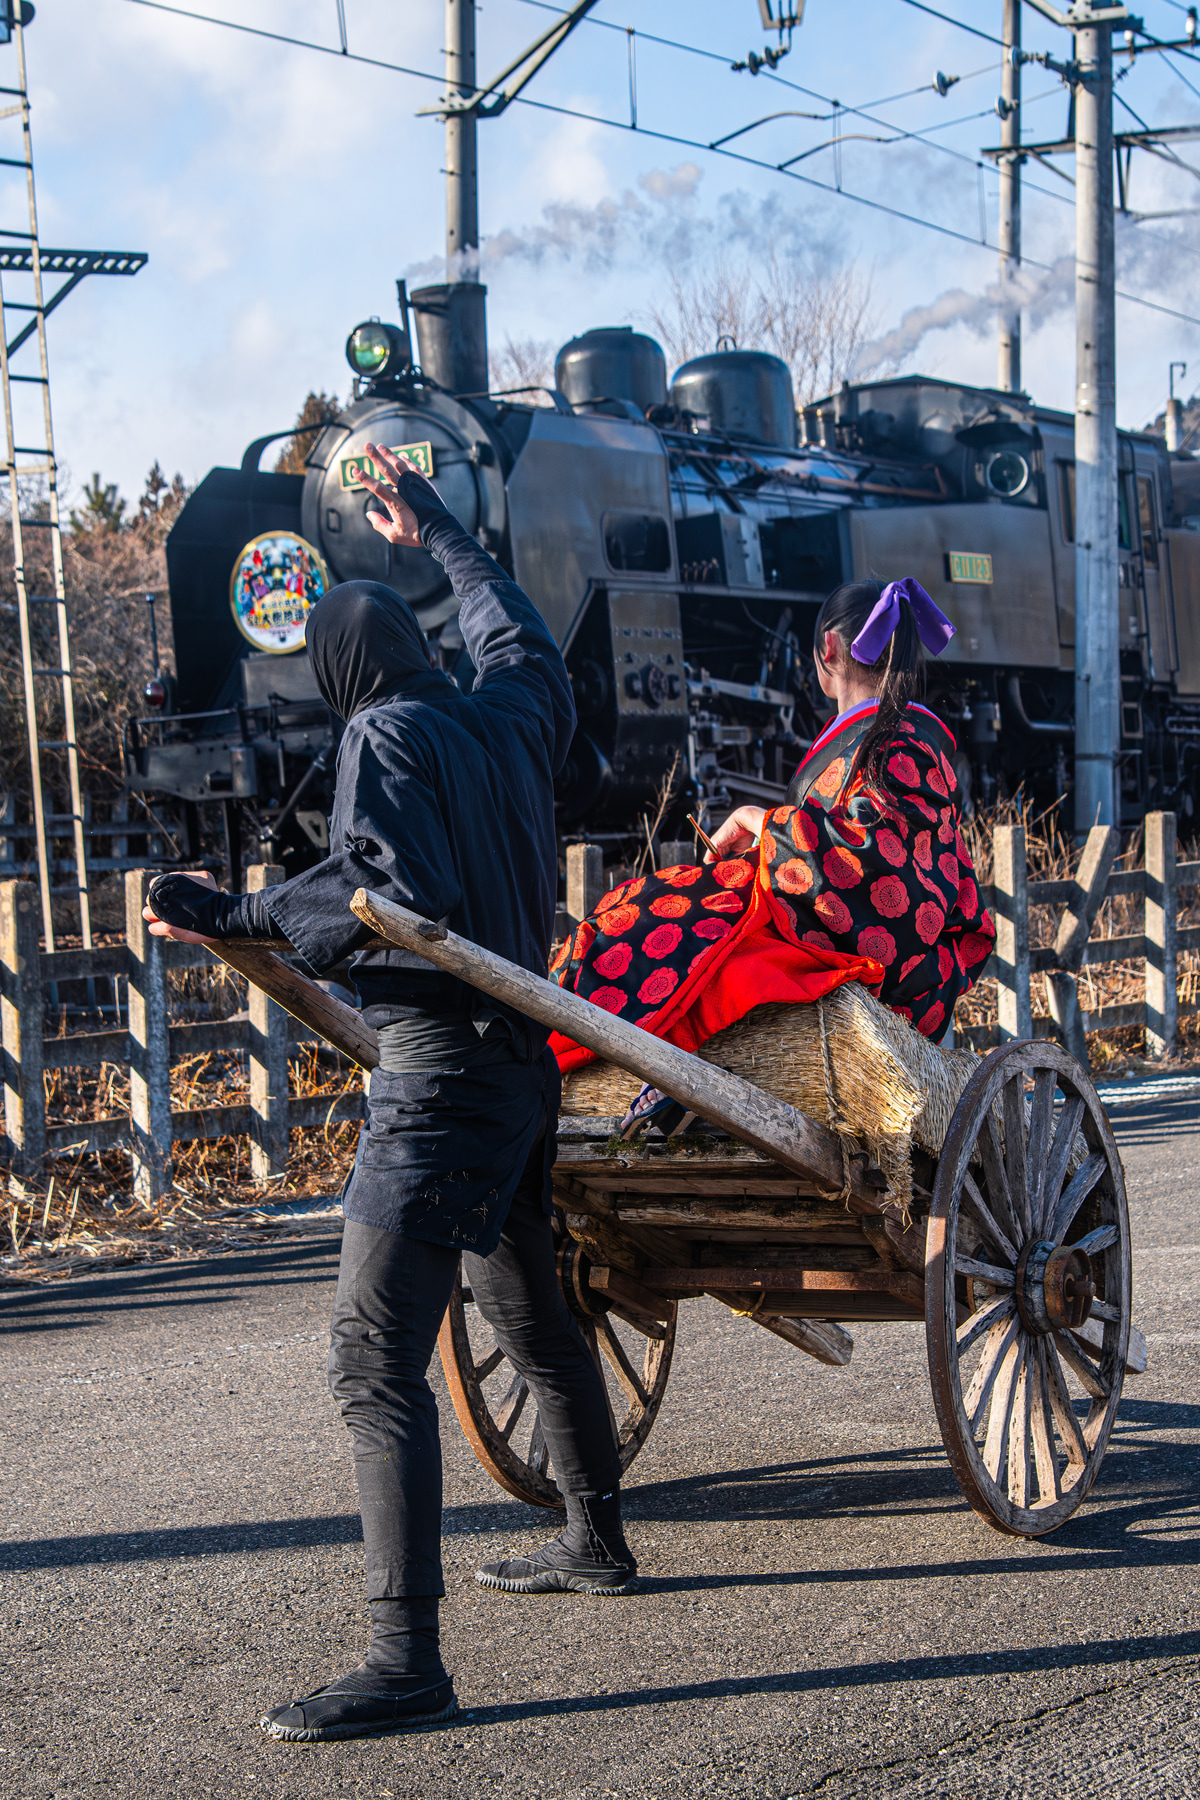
x=188 y=903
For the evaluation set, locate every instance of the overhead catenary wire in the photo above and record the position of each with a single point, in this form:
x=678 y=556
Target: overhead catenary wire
x=681 y=142
x=281 y=37
x=973 y=30
x=863 y=112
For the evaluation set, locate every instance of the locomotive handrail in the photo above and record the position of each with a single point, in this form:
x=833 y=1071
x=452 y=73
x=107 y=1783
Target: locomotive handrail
x=252 y=452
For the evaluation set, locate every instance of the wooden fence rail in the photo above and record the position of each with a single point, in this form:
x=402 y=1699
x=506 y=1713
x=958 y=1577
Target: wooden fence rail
x=1159 y=943
x=148 y=1045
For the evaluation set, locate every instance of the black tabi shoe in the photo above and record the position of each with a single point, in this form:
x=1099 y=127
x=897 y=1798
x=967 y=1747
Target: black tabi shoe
x=349 y=1709
x=555 y=1569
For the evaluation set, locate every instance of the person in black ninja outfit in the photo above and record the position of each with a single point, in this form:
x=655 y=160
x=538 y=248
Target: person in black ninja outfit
x=444 y=803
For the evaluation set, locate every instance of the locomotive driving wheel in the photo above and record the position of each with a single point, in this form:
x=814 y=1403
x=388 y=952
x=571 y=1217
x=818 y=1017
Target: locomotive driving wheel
x=493 y=1402
x=1027 y=1288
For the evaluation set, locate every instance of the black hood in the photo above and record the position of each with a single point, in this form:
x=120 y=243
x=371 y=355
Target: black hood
x=365 y=645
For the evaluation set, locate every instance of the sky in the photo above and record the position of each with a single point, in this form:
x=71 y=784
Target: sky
x=279 y=192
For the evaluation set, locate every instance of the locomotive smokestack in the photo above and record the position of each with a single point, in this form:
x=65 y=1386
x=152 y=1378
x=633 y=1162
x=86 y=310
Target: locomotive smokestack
x=452 y=335
x=451 y=318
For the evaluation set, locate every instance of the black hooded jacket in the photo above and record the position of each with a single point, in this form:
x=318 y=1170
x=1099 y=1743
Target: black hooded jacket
x=445 y=803
x=444 y=800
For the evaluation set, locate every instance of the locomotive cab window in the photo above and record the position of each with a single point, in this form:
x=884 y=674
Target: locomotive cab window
x=1147 y=520
x=638 y=542
x=1066 y=490
x=1066 y=499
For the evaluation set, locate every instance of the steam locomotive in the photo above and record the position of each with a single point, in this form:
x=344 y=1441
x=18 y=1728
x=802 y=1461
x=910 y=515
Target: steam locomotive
x=679 y=539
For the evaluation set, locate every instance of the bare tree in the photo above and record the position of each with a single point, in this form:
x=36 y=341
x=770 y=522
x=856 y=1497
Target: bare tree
x=111 y=561
x=818 y=323
x=702 y=309
x=526 y=363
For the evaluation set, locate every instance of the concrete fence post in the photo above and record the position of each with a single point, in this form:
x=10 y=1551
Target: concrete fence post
x=585 y=879
x=21 y=1024
x=1162 y=911
x=1011 y=891
x=268 y=1040
x=149 y=1048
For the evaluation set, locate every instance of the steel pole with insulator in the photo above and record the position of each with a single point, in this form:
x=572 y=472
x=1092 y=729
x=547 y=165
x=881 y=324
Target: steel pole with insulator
x=1009 y=169
x=1097 y=660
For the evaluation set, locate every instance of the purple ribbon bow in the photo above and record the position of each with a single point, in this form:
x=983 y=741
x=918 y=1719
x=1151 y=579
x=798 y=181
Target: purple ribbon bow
x=933 y=627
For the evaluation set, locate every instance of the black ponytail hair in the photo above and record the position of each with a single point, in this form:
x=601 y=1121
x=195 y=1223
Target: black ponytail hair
x=899 y=670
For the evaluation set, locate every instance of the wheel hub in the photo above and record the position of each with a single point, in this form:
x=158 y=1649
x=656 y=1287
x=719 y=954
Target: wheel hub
x=574 y=1267
x=1054 y=1287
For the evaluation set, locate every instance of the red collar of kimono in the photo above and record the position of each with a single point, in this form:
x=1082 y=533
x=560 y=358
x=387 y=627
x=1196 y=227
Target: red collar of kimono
x=859 y=716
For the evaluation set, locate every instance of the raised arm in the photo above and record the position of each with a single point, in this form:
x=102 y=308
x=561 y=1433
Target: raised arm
x=312 y=910
x=510 y=644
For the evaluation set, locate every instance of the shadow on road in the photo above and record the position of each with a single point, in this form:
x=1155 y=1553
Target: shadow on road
x=215 y=1281
x=865 y=1674
x=1157 y=1527
x=1152 y=1122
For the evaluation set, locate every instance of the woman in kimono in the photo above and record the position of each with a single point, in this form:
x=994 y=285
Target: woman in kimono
x=867 y=852
x=862 y=875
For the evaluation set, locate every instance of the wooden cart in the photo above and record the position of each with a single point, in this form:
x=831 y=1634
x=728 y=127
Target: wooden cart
x=1015 y=1256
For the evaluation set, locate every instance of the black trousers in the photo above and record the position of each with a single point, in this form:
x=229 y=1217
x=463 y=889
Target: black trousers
x=391 y=1296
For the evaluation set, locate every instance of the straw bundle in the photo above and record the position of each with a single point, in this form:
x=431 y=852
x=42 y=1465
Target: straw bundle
x=847 y=1061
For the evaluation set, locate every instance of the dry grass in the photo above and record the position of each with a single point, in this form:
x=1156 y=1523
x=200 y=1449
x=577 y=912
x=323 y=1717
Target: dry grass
x=80 y=1211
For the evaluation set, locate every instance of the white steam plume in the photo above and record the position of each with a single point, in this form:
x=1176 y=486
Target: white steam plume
x=598 y=235
x=1038 y=293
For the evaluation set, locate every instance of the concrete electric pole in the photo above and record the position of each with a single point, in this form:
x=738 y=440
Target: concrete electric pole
x=1097 y=614
x=1174 y=432
x=451 y=318
x=462 y=170
x=1009 y=168
x=1097 y=637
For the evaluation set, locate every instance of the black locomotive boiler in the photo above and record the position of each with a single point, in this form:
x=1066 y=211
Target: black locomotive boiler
x=679 y=538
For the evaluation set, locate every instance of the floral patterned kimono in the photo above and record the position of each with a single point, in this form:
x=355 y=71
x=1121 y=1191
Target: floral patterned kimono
x=847 y=884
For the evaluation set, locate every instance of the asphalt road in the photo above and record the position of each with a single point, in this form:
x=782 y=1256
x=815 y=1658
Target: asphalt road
x=820 y=1614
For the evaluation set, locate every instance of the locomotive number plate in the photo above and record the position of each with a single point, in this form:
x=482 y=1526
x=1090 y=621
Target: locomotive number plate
x=353 y=468
x=966 y=565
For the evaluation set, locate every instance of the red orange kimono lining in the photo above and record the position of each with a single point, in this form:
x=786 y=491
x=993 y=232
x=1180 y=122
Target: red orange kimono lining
x=846 y=885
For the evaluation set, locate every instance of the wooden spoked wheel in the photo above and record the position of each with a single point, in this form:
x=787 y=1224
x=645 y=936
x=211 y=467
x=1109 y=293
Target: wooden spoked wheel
x=494 y=1404
x=1027 y=1288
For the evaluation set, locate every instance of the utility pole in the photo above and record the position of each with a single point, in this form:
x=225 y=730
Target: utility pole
x=1090 y=136
x=1174 y=432
x=1097 y=638
x=451 y=318
x=1009 y=168
x=462 y=169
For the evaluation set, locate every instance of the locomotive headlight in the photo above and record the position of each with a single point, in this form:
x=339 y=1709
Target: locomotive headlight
x=1007 y=473
x=374 y=349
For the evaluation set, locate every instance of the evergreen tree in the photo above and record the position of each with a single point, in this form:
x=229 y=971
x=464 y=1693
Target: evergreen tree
x=318 y=409
x=103 y=509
